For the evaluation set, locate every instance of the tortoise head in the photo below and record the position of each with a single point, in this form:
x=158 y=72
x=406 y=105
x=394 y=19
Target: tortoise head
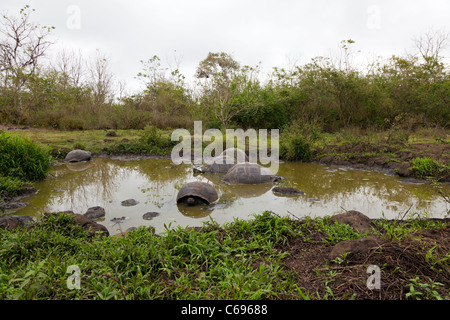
x=191 y=201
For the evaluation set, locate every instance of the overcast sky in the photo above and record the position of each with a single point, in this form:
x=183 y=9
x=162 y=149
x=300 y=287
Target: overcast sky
x=271 y=31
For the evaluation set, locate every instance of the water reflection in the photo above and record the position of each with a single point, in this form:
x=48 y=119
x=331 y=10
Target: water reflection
x=155 y=184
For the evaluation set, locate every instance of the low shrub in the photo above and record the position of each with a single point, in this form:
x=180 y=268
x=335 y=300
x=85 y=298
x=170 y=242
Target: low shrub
x=427 y=167
x=295 y=148
x=150 y=142
x=23 y=159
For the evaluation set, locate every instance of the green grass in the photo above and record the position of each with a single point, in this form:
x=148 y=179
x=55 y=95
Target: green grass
x=10 y=185
x=237 y=260
x=182 y=264
x=23 y=158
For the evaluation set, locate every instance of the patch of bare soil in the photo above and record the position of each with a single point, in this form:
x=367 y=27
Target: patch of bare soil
x=419 y=260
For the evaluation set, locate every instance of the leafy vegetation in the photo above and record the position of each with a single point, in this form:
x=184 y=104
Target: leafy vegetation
x=75 y=92
x=10 y=185
x=238 y=260
x=426 y=167
x=22 y=158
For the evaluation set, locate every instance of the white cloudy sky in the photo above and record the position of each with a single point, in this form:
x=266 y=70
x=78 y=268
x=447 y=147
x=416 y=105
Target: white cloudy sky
x=271 y=31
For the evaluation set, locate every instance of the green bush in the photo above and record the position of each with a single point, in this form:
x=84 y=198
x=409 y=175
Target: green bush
x=295 y=148
x=23 y=159
x=150 y=142
x=297 y=139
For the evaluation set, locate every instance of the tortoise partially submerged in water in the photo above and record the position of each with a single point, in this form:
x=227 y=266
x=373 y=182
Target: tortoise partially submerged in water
x=249 y=173
x=219 y=164
x=223 y=162
x=197 y=193
x=239 y=155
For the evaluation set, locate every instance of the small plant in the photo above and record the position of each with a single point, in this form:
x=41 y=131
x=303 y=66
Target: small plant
x=79 y=145
x=426 y=167
x=427 y=290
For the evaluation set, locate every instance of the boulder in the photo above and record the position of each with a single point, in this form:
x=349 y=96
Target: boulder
x=78 y=155
x=13 y=222
x=354 y=247
x=89 y=225
x=95 y=213
x=405 y=170
x=357 y=220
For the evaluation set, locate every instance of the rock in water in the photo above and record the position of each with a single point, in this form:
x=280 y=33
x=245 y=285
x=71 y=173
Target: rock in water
x=150 y=215
x=95 y=213
x=287 y=191
x=129 y=202
x=78 y=155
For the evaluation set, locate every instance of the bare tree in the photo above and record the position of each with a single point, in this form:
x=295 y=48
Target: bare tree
x=71 y=67
x=22 y=45
x=101 y=80
x=431 y=44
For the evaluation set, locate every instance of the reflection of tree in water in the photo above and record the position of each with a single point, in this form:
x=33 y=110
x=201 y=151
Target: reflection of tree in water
x=160 y=180
x=236 y=191
x=348 y=184
x=97 y=181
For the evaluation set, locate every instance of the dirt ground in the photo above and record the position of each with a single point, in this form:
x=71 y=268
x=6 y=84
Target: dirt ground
x=401 y=265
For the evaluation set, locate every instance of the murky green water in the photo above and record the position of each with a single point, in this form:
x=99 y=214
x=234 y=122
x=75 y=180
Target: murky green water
x=155 y=184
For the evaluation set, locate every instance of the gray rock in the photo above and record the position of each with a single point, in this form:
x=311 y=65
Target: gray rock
x=129 y=202
x=13 y=222
x=150 y=215
x=95 y=213
x=13 y=205
x=287 y=191
x=78 y=155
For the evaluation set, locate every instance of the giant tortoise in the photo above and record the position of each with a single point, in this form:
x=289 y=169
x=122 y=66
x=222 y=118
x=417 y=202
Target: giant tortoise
x=196 y=193
x=239 y=155
x=249 y=173
x=219 y=164
x=223 y=162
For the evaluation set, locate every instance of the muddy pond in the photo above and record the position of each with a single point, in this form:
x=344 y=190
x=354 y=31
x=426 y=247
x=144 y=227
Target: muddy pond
x=154 y=183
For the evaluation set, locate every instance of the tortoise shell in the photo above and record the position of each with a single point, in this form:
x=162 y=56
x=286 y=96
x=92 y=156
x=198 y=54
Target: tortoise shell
x=219 y=164
x=249 y=173
x=239 y=155
x=197 y=189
